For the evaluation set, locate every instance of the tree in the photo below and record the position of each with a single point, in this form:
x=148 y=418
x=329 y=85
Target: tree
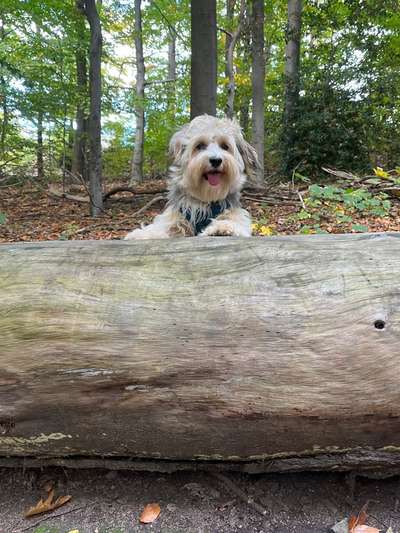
x=232 y=38
x=94 y=128
x=292 y=79
x=203 y=95
x=80 y=137
x=257 y=79
x=137 y=160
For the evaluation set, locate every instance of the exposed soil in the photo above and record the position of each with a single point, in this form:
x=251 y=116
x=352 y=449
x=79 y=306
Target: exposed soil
x=111 y=502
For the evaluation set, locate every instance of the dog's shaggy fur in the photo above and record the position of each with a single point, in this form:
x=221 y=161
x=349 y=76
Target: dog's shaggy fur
x=211 y=162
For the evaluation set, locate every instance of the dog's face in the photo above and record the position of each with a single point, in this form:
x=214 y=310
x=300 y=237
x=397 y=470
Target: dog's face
x=211 y=158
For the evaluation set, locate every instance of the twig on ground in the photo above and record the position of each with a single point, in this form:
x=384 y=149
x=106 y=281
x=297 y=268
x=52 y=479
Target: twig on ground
x=242 y=495
x=138 y=212
x=146 y=206
x=52 y=191
x=50 y=516
x=303 y=205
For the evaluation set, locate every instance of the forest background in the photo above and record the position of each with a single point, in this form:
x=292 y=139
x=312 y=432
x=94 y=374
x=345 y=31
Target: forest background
x=335 y=106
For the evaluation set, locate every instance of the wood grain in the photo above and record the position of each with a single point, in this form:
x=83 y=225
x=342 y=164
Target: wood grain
x=219 y=349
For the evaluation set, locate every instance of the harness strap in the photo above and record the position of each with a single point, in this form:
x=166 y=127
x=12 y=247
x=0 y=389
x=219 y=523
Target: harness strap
x=216 y=208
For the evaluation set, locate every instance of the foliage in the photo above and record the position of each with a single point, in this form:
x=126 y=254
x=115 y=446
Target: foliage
x=330 y=131
x=348 y=114
x=340 y=205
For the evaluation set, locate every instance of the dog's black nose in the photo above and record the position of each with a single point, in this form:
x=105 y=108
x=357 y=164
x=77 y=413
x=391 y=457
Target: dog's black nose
x=215 y=161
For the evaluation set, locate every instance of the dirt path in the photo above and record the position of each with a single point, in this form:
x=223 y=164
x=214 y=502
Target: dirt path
x=111 y=502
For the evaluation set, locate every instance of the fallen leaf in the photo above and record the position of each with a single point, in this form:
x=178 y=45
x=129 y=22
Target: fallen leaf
x=44 y=506
x=150 y=513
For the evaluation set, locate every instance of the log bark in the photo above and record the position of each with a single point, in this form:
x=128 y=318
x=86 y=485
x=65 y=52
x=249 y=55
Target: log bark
x=271 y=354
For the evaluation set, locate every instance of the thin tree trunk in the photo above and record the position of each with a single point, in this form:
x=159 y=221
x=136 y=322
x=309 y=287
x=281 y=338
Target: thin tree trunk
x=234 y=36
x=230 y=11
x=94 y=129
x=244 y=116
x=292 y=80
x=79 y=149
x=39 y=146
x=258 y=77
x=172 y=73
x=245 y=50
x=203 y=95
x=4 y=107
x=39 y=127
x=137 y=159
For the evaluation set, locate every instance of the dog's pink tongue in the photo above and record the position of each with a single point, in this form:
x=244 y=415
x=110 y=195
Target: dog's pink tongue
x=213 y=178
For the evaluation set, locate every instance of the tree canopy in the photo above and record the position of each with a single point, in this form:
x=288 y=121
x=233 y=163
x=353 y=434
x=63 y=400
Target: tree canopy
x=347 y=112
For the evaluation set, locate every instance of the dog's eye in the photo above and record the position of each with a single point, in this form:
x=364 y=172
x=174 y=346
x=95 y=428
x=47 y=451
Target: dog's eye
x=224 y=146
x=201 y=146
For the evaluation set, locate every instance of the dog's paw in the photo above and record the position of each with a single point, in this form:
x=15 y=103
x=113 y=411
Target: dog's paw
x=136 y=234
x=220 y=228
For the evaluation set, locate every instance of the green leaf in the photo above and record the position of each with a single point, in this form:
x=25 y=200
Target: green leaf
x=3 y=218
x=359 y=228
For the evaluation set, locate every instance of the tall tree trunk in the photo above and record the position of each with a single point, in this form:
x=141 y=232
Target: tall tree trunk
x=39 y=127
x=257 y=82
x=39 y=146
x=245 y=52
x=292 y=80
x=230 y=11
x=172 y=73
x=203 y=94
x=137 y=159
x=232 y=39
x=3 y=89
x=79 y=149
x=94 y=129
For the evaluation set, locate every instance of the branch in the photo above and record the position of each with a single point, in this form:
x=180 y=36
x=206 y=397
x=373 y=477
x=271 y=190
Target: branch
x=171 y=26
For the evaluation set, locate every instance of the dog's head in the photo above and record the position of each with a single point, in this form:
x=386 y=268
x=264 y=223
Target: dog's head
x=211 y=158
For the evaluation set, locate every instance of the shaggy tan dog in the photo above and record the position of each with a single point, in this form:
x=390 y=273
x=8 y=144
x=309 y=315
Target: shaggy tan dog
x=211 y=162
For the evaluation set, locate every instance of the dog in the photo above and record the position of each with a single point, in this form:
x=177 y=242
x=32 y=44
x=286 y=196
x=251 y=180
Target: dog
x=211 y=162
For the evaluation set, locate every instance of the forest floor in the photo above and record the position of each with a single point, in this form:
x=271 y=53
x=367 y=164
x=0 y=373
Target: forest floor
x=111 y=502
x=31 y=213
x=190 y=502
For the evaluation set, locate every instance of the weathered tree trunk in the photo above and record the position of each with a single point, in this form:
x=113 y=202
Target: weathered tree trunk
x=257 y=82
x=292 y=80
x=232 y=40
x=137 y=159
x=203 y=94
x=79 y=149
x=281 y=353
x=94 y=126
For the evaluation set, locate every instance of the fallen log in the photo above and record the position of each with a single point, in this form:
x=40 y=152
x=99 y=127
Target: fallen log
x=265 y=354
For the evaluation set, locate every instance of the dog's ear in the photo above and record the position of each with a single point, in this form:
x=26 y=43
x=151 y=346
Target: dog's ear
x=249 y=156
x=177 y=146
